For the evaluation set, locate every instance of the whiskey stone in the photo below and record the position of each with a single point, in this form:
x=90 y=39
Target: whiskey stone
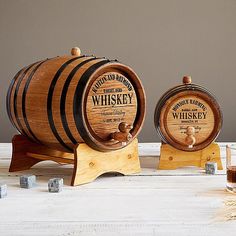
x=3 y=190
x=211 y=168
x=55 y=185
x=27 y=181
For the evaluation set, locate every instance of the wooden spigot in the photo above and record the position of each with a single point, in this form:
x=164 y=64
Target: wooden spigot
x=75 y=51
x=124 y=134
x=190 y=139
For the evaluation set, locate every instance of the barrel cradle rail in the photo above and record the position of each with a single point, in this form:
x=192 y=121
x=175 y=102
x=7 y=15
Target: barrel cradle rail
x=188 y=119
x=79 y=110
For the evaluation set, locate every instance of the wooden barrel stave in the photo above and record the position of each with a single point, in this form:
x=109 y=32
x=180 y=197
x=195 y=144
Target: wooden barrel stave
x=16 y=101
x=59 y=101
x=69 y=113
x=57 y=95
x=44 y=118
x=25 y=99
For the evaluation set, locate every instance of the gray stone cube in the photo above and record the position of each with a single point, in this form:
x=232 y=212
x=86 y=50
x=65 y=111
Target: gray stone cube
x=55 y=185
x=27 y=181
x=3 y=190
x=211 y=168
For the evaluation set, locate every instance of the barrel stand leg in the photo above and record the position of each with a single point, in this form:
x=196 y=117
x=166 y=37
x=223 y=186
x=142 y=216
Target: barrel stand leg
x=20 y=160
x=89 y=163
x=172 y=158
x=26 y=153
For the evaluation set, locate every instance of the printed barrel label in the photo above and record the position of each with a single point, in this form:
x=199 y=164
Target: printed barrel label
x=189 y=110
x=110 y=101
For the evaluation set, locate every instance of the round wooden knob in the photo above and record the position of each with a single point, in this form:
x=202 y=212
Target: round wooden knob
x=187 y=80
x=75 y=51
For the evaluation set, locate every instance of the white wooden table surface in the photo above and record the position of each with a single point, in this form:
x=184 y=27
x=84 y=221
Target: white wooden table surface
x=180 y=202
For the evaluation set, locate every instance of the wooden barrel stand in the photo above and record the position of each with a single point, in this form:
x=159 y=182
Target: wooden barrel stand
x=87 y=163
x=172 y=158
x=188 y=119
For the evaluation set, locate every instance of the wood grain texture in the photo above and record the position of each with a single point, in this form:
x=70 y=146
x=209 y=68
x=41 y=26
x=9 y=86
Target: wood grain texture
x=172 y=158
x=108 y=109
x=51 y=102
x=87 y=163
x=124 y=79
x=182 y=202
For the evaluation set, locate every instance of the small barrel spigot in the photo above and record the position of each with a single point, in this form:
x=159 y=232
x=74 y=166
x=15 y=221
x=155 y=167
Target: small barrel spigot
x=190 y=139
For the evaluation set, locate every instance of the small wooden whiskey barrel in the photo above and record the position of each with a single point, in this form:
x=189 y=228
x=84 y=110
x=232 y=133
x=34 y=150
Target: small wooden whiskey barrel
x=188 y=117
x=63 y=101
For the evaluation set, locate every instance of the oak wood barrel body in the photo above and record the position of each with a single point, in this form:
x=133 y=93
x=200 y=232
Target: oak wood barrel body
x=188 y=117
x=63 y=101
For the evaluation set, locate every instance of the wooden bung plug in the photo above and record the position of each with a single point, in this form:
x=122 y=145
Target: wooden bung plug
x=75 y=51
x=187 y=80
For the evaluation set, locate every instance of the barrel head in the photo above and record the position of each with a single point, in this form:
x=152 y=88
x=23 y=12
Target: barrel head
x=188 y=117
x=114 y=107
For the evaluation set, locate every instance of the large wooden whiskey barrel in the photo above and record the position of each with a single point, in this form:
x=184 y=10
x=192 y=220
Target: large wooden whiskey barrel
x=188 y=117
x=63 y=101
